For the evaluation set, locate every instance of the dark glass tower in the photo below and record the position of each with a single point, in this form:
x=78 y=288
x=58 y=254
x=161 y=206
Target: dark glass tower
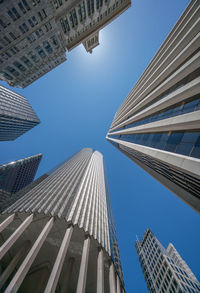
x=16 y=115
x=16 y=175
x=158 y=124
x=64 y=237
x=164 y=269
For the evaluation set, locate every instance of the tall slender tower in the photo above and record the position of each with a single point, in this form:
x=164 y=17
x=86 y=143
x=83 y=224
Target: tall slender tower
x=60 y=236
x=16 y=115
x=164 y=269
x=158 y=124
x=16 y=175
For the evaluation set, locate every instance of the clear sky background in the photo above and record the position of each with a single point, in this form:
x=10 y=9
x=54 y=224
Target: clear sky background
x=76 y=103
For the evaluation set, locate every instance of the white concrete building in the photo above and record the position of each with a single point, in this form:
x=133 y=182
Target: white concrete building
x=60 y=236
x=158 y=124
x=164 y=269
x=34 y=34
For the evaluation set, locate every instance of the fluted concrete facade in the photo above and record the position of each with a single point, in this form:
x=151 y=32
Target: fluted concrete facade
x=158 y=124
x=66 y=222
x=164 y=269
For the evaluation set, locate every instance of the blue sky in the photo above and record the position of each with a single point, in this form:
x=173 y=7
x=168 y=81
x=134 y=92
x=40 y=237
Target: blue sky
x=76 y=103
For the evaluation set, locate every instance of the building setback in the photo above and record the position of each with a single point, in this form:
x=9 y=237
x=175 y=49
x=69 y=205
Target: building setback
x=16 y=115
x=164 y=269
x=36 y=34
x=158 y=124
x=16 y=175
x=60 y=236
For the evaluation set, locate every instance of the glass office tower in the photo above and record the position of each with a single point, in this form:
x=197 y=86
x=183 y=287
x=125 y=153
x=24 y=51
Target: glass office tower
x=158 y=124
x=164 y=269
x=16 y=175
x=60 y=236
x=16 y=115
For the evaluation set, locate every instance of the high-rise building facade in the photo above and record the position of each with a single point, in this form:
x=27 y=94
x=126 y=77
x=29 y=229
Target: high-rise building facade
x=16 y=115
x=164 y=269
x=35 y=34
x=60 y=236
x=16 y=175
x=158 y=124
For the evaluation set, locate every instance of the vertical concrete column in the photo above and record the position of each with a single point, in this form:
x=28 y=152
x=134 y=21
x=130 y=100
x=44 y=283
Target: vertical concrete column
x=11 y=240
x=66 y=283
x=6 y=222
x=118 y=285
x=25 y=266
x=84 y=266
x=112 y=278
x=15 y=260
x=55 y=273
x=86 y=9
x=100 y=271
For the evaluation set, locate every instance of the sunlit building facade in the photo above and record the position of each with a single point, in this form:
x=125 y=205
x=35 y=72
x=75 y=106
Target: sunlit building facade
x=164 y=269
x=16 y=115
x=158 y=124
x=14 y=176
x=60 y=236
x=36 y=34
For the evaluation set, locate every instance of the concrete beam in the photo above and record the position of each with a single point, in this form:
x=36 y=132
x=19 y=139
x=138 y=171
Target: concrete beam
x=25 y=266
x=84 y=266
x=55 y=273
x=6 y=222
x=112 y=282
x=100 y=271
x=11 y=240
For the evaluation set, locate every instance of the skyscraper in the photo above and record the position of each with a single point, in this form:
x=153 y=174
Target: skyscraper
x=16 y=175
x=164 y=269
x=16 y=115
x=35 y=34
x=158 y=124
x=64 y=237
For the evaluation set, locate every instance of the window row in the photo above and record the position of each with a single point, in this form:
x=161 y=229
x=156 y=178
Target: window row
x=185 y=143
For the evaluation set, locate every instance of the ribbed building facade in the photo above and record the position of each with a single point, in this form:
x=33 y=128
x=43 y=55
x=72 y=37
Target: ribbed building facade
x=16 y=115
x=60 y=236
x=158 y=124
x=36 y=34
x=164 y=269
x=16 y=175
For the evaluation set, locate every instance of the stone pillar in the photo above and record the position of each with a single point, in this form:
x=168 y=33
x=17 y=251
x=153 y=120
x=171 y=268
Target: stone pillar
x=100 y=271
x=112 y=278
x=25 y=266
x=83 y=267
x=55 y=273
x=66 y=283
x=14 y=262
x=11 y=240
x=6 y=222
x=118 y=285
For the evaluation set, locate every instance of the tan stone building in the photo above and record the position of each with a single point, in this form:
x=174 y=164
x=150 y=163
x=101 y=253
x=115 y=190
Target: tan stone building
x=34 y=35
